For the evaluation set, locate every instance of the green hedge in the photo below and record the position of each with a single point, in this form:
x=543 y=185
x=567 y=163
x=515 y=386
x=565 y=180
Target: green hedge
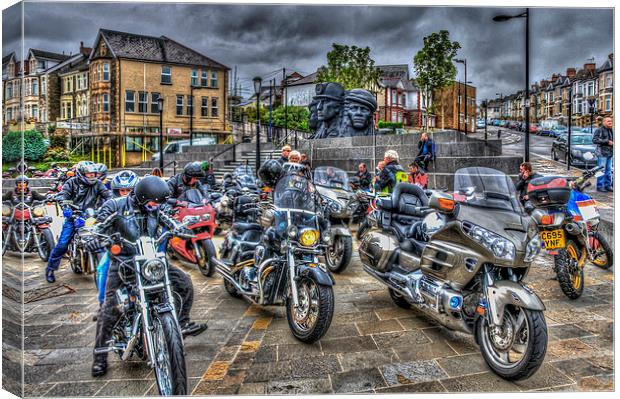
x=34 y=146
x=393 y=125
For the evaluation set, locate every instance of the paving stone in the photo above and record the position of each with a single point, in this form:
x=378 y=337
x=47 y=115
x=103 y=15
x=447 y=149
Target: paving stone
x=484 y=382
x=367 y=359
x=357 y=380
x=577 y=368
x=597 y=383
x=340 y=331
x=415 y=323
x=75 y=389
x=376 y=327
x=460 y=342
x=266 y=354
x=422 y=387
x=126 y=388
x=298 y=351
x=393 y=312
x=400 y=339
x=348 y=344
x=463 y=365
x=547 y=376
x=298 y=387
x=568 y=349
x=424 y=351
x=412 y=372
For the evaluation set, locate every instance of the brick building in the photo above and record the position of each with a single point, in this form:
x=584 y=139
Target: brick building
x=451 y=102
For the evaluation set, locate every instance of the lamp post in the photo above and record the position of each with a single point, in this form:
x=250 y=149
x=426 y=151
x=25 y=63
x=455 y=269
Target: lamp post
x=160 y=108
x=591 y=108
x=258 y=81
x=485 y=104
x=570 y=122
x=464 y=62
x=526 y=15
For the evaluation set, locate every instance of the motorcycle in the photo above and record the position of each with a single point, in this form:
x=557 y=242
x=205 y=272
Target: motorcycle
x=199 y=250
x=333 y=184
x=246 y=231
x=568 y=221
x=26 y=228
x=148 y=327
x=285 y=269
x=461 y=259
x=81 y=260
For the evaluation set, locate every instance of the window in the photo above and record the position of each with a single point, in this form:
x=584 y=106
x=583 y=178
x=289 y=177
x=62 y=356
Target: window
x=35 y=111
x=166 y=74
x=69 y=110
x=590 y=88
x=213 y=79
x=41 y=64
x=106 y=102
x=106 y=72
x=9 y=91
x=204 y=106
x=394 y=100
x=204 y=79
x=179 y=105
x=95 y=100
x=609 y=81
x=190 y=105
x=154 y=107
x=35 y=87
x=43 y=86
x=142 y=102
x=84 y=106
x=194 y=77
x=214 y=107
x=9 y=114
x=129 y=101
x=607 y=103
x=133 y=144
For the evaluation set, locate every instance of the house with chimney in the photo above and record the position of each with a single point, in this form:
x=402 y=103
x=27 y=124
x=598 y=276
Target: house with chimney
x=606 y=87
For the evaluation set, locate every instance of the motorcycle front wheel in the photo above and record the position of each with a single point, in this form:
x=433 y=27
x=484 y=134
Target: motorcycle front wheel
x=311 y=320
x=338 y=255
x=6 y=237
x=603 y=256
x=46 y=244
x=169 y=362
x=570 y=274
x=206 y=265
x=516 y=349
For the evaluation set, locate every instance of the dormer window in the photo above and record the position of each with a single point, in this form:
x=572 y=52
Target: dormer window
x=102 y=49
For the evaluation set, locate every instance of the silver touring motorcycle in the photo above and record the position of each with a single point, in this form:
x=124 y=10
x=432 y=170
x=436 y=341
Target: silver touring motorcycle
x=461 y=259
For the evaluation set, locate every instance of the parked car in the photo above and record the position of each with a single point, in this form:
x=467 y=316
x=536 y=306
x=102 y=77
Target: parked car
x=480 y=124
x=581 y=143
x=558 y=130
x=502 y=123
x=533 y=128
x=179 y=146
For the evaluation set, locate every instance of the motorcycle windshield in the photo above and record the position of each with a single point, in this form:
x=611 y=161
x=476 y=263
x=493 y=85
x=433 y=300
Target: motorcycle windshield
x=295 y=191
x=243 y=170
x=328 y=176
x=194 y=196
x=485 y=187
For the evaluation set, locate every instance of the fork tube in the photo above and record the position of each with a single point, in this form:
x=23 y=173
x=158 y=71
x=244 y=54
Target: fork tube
x=146 y=317
x=291 y=269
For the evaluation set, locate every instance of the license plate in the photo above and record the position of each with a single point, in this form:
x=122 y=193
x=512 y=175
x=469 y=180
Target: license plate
x=553 y=239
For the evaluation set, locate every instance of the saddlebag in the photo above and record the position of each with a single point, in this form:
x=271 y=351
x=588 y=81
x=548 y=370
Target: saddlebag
x=378 y=250
x=549 y=191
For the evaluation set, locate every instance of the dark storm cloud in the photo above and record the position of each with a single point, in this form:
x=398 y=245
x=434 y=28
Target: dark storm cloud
x=260 y=39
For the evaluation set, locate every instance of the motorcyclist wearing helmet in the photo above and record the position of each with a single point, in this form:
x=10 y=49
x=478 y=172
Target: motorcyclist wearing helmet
x=122 y=184
x=134 y=216
x=187 y=180
x=22 y=193
x=85 y=190
x=209 y=178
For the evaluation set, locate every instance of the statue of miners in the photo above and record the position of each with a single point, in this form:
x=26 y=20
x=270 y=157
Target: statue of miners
x=313 y=120
x=329 y=109
x=359 y=107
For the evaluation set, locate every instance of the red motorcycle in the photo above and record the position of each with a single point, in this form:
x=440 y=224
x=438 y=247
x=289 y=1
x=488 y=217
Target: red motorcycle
x=198 y=250
x=27 y=229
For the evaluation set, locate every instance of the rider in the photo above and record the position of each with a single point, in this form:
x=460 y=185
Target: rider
x=364 y=176
x=187 y=180
x=137 y=215
x=209 y=178
x=22 y=192
x=526 y=174
x=121 y=186
x=391 y=173
x=85 y=191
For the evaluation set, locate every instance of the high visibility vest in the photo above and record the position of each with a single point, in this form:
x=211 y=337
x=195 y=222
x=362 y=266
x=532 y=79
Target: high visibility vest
x=401 y=177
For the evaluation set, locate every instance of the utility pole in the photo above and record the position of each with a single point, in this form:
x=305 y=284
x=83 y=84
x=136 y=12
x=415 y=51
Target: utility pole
x=269 y=138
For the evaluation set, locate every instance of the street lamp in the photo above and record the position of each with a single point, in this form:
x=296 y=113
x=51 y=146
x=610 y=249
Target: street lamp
x=160 y=108
x=464 y=62
x=258 y=81
x=592 y=109
x=526 y=15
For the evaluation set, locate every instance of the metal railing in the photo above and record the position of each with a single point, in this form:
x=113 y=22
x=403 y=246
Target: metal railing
x=225 y=150
x=174 y=164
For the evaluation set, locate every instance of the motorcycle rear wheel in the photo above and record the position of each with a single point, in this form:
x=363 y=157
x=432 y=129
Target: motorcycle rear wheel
x=170 y=367
x=46 y=241
x=604 y=256
x=570 y=275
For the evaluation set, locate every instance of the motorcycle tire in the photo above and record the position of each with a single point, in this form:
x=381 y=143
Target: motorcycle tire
x=347 y=252
x=209 y=252
x=5 y=240
x=173 y=345
x=325 y=312
x=533 y=355
x=46 y=240
x=76 y=261
x=231 y=289
x=363 y=227
x=399 y=300
x=570 y=276
x=608 y=261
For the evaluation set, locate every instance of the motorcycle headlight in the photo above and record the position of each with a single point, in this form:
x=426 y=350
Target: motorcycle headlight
x=206 y=217
x=292 y=232
x=90 y=222
x=38 y=211
x=309 y=237
x=153 y=270
x=189 y=219
x=6 y=210
x=576 y=153
x=532 y=249
x=335 y=206
x=498 y=245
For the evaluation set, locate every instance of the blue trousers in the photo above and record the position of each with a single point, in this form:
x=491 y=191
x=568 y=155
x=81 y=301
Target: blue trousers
x=102 y=275
x=606 y=180
x=66 y=235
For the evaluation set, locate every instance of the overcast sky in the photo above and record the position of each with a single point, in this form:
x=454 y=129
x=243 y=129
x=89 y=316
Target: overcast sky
x=260 y=39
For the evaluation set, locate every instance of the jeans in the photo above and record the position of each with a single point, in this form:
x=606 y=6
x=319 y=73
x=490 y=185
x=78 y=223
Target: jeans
x=68 y=230
x=606 y=180
x=102 y=275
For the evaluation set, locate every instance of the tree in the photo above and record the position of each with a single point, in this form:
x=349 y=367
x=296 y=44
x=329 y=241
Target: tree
x=434 y=67
x=352 y=67
x=34 y=146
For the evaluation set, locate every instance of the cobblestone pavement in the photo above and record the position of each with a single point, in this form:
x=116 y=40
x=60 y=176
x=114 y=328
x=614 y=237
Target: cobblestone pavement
x=372 y=345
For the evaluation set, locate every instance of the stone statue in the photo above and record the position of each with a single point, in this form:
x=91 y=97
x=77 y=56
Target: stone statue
x=336 y=113
x=359 y=106
x=330 y=97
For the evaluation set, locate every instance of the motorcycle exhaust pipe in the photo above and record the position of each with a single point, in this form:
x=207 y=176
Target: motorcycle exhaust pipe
x=224 y=270
x=572 y=228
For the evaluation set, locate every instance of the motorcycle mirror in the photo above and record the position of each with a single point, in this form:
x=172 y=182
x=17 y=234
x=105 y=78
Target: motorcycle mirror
x=599 y=174
x=432 y=223
x=588 y=156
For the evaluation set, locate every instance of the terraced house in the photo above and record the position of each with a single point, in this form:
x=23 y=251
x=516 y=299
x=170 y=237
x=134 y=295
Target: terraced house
x=128 y=73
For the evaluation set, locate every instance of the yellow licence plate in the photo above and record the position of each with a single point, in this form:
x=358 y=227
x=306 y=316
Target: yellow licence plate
x=553 y=239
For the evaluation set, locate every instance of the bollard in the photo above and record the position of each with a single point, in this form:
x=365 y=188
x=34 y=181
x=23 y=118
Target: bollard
x=499 y=133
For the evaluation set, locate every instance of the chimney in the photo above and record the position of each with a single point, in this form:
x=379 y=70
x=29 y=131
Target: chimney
x=590 y=66
x=571 y=72
x=84 y=50
x=554 y=77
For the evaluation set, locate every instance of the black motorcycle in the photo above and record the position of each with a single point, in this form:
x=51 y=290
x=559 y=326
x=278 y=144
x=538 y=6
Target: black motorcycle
x=26 y=228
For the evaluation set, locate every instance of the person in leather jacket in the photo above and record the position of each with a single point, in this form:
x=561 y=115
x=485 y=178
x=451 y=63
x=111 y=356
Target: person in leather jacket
x=391 y=173
x=85 y=191
x=22 y=193
x=187 y=180
x=364 y=176
x=134 y=216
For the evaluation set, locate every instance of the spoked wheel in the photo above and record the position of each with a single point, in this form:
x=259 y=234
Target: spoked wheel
x=338 y=255
x=77 y=261
x=46 y=244
x=6 y=238
x=570 y=273
x=602 y=256
x=311 y=320
x=516 y=349
x=205 y=264
x=170 y=370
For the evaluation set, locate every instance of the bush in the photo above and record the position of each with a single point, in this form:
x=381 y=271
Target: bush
x=57 y=154
x=34 y=146
x=12 y=147
x=58 y=140
x=51 y=129
x=393 y=125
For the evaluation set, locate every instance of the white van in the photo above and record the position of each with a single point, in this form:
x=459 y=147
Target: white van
x=179 y=146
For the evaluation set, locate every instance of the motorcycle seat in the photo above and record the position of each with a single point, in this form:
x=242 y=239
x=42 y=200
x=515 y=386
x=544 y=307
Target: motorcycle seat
x=241 y=226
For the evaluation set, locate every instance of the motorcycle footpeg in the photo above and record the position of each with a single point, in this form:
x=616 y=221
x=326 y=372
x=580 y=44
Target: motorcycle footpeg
x=104 y=350
x=194 y=329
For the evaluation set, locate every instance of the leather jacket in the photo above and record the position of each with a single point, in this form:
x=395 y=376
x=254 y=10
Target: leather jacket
x=83 y=195
x=602 y=136
x=178 y=187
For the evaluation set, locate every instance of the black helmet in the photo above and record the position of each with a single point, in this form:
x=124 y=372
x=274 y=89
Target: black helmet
x=151 y=188
x=270 y=172
x=21 y=183
x=193 y=169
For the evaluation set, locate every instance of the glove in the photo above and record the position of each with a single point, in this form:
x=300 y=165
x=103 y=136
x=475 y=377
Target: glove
x=92 y=245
